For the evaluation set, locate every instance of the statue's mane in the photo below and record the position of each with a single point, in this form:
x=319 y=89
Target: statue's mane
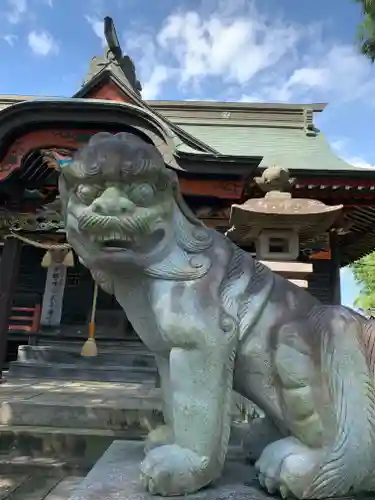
x=191 y=234
x=191 y=241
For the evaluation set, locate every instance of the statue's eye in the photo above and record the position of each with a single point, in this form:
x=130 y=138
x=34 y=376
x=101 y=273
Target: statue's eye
x=143 y=194
x=87 y=194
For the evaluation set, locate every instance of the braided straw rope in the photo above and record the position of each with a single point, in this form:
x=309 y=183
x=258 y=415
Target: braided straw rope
x=37 y=244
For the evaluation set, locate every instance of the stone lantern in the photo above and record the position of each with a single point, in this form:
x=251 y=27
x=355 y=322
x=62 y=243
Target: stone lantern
x=278 y=224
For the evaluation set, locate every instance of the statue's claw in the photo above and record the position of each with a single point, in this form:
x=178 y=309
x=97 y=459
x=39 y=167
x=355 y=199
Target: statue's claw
x=286 y=466
x=171 y=470
x=284 y=492
x=271 y=485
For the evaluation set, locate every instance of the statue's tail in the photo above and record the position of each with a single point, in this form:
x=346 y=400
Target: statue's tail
x=347 y=349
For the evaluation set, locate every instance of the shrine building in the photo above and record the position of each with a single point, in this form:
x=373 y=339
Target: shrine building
x=220 y=151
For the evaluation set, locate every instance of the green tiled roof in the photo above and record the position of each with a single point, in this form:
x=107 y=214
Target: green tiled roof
x=291 y=147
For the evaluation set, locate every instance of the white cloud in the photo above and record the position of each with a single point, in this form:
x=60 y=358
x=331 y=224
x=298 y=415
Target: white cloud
x=230 y=45
x=250 y=55
x=42 y=43
x=359 y=162
x=151 y=88
x=250 y=98
x=236 y=49
x=342 y=148
x=17 y=10
x=97 y=26
x=340 y=74
x=10 y=39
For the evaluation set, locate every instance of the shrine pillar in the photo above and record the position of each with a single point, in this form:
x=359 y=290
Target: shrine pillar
x=335 y=280
x=9 y=269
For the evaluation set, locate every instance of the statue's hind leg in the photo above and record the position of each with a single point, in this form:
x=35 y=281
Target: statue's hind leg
x=286 y=461
x=334 y=456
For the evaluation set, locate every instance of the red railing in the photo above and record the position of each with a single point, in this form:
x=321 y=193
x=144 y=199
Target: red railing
x=26 y=319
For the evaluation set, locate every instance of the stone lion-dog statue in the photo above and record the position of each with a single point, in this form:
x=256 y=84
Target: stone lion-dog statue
x=218 y=320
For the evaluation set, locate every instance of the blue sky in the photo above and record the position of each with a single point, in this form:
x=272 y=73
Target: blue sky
x=270 y=50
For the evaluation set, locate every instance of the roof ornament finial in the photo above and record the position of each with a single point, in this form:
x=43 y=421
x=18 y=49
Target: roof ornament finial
x=115 y=54
x=112 y=40
x=114 y=60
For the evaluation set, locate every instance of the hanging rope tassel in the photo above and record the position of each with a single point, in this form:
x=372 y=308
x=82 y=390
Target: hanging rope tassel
x=89 y=348
x=47 y=260
x=68 y=259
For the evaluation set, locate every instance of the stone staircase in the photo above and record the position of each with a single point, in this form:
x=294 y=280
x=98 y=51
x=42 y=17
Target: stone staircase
x=59 y=412
x=53 y=419
x=53 y=431
x=71 y=424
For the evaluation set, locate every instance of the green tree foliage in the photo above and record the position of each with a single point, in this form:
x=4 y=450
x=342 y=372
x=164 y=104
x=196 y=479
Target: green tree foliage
x=364 y=275
x=367 y=28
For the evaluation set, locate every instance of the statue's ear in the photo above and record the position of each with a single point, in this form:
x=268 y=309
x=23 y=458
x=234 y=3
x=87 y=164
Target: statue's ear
x=64 y=195
x=103 y=281
x=179 y=199
x=173 y=178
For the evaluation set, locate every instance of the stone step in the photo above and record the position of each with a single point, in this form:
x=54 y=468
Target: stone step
x=72 y=422
x=14 y=462
x=36 y=484
x=66 y=449
x=134 y=414
x=71 y=448
x=74 y=371
x=71 y=354
x=76 y=344
x=63 y=489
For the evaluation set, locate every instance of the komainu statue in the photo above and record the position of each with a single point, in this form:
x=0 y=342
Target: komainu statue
x=216 y=320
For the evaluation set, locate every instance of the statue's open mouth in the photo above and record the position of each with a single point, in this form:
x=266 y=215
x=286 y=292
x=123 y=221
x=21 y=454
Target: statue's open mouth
x=117 y=244
x=140 y=244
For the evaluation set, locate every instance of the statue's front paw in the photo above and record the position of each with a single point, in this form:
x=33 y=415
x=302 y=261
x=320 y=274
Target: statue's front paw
x=171 y=470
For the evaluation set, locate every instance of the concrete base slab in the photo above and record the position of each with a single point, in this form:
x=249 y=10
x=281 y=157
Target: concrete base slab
x=116 y=477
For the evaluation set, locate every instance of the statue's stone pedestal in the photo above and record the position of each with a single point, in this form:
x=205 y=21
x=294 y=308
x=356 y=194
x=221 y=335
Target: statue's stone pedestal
x=116 y=477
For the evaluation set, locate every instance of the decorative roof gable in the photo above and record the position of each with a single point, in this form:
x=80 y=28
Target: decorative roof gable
x=113 y=77
x=112 y=65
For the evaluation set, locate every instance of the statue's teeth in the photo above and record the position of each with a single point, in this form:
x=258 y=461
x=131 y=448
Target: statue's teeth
x=109 y=237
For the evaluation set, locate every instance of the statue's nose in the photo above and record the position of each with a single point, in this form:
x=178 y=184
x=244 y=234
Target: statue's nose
x=111 y=203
